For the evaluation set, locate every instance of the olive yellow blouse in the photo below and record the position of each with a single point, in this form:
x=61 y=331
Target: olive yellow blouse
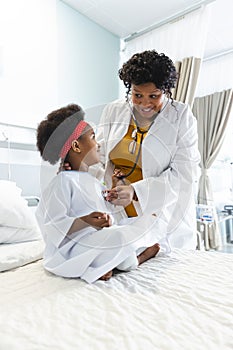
x=124 y=160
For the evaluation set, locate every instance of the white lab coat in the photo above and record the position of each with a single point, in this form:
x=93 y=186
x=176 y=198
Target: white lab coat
x=88 y=253
x=170 y=160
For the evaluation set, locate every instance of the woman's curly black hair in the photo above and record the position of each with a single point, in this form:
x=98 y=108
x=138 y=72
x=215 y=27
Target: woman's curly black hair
x=149 y=67
x=55 y=129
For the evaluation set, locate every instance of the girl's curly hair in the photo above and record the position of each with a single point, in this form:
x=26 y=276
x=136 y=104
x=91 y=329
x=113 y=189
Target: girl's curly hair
x=55 y=129
x=149 y=67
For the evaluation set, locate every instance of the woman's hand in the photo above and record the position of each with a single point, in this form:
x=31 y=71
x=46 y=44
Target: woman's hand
x=120 y=195
x=64 y=166
x=117 y=178
x=97 y=219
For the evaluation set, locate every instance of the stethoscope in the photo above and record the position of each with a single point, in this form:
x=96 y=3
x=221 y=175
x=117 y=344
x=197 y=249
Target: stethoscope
x=132 y=145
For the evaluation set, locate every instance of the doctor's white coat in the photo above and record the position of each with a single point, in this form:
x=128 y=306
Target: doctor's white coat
x=170 y=160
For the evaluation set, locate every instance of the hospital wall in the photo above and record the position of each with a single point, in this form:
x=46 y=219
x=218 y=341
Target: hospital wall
x=50 y=55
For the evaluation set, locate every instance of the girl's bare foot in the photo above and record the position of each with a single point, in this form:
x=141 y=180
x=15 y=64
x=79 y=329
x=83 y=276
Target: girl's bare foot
x=148 y=253
x=106 y=276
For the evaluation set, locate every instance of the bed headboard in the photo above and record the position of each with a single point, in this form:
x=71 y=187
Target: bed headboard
x=20 y=161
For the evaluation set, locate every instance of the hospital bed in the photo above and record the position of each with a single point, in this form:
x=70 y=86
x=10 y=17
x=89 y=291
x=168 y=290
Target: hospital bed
x=180 y=301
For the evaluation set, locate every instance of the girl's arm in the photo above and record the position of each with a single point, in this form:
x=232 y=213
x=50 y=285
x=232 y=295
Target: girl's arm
x=96 y=219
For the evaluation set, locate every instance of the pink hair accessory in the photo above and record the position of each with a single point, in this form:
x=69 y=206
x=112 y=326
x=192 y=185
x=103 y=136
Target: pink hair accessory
x=74 y=136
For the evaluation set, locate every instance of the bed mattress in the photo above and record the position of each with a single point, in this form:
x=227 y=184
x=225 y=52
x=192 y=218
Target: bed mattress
x=184 y=301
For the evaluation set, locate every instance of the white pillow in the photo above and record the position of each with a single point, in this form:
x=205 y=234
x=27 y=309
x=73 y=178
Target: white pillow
x=19 y=254
x=14 y=211
x=15 y=235
x=17 y=222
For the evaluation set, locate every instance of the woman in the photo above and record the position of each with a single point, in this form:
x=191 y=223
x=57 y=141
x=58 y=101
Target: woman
x=149 y=142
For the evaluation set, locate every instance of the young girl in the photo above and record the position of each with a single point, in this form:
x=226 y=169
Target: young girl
x=73 y=216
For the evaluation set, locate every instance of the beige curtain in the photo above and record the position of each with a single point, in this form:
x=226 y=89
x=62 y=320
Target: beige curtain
x=212 y=113
x=188 y=70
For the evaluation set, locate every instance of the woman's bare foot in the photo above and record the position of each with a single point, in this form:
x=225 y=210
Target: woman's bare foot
x=106 y=276
x=148 y=253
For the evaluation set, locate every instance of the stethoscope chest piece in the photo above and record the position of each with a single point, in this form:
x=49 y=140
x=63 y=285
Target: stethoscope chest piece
x=132 y=147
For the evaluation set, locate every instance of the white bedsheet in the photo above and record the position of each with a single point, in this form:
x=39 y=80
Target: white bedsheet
x=184 y=301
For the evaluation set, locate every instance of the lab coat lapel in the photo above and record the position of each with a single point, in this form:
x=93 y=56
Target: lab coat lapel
x=119 y=128
x=163 y=115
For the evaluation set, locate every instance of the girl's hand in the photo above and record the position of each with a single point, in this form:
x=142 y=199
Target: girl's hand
x=120 y=195
x=97 y=219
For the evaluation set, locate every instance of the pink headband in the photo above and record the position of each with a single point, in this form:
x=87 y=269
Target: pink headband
x=74 y=136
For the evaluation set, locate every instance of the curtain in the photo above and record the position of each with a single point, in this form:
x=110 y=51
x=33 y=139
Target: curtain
x=185 y=37
x=188 y=70
x=215 y=72
x=212 y=114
